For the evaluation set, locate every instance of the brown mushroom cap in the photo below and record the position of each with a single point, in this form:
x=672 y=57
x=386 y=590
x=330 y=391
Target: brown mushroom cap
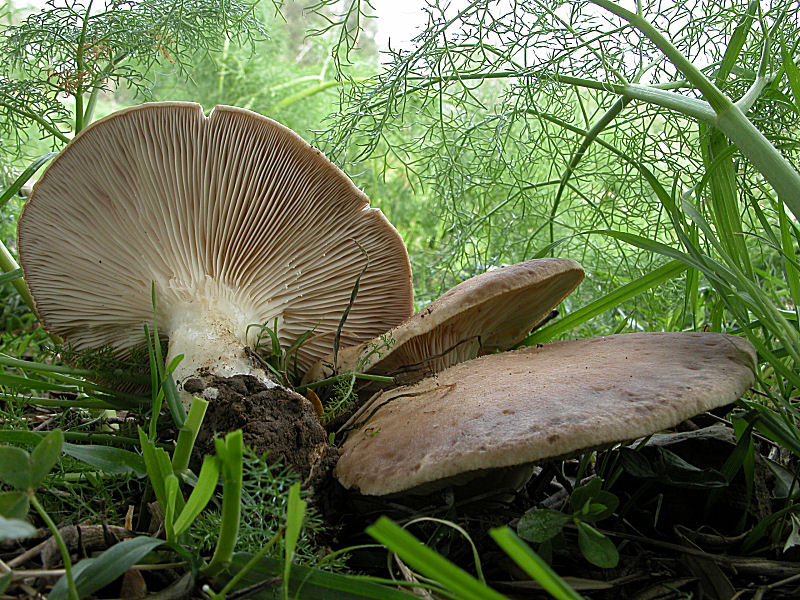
x=234 y=217
x=486 y=313
x=541 y=402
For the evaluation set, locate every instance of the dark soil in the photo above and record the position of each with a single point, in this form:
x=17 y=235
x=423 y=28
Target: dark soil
x=273 y=420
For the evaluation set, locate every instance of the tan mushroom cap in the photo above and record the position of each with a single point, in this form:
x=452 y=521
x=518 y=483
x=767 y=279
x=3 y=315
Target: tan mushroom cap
x=486 y=313
x=541 y=402
x=236 y=219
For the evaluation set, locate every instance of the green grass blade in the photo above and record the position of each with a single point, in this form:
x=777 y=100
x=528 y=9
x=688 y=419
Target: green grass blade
x=229 y=452
x=295 y=514
x=532 y=564
x=736 y=43
x=314 y=584
x=23 y=178
x=430 y=563
x=188 y=434
x=793 y=74
x=787 y=246
x=91 y=574
x=607 y=302
x=198 y=499
x=107 y=458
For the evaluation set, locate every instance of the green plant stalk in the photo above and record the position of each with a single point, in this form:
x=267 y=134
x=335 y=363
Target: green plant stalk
x=591 y=136
x=62 y=547
x=230 y=453
x=729 y=117
x=79 y=51
x=39 y=367
x=712 y=94
x=37 y=119
x=758 y=149
x=309 y=91
x=787 y=243
x=340 y=377
x=295 y=515
x=188 y=434
x=221 y=76
x=428 y=562
x=59 y=403
x=91 y=103
x=7 y=264
x=250 y=564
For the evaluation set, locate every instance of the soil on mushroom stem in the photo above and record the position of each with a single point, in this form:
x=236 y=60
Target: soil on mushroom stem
x=272 y=419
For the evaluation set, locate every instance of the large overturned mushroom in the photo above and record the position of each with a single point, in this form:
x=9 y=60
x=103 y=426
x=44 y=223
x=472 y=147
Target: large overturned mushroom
x=489 y=312
x=538 y=403
x=231 y=217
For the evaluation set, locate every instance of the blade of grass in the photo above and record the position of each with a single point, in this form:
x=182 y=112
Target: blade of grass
x=532 y=564
x=430 y=563
x=607 y=302
x=315 y=584
x=295 y=514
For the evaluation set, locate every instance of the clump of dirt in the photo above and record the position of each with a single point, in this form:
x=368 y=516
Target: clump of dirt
x=273 y=420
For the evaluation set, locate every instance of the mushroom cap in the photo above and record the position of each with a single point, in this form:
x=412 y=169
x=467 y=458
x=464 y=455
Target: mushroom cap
x=232 y=209
x=541 y=402
x=486 y=313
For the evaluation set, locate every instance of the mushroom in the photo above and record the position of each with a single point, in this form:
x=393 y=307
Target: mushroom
x=486 y=313
x=538 y=403
x=232 y=219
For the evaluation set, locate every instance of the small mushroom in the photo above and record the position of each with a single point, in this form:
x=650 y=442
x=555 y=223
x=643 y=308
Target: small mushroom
x=232 y=220
x=486 y=313
x=539 y=403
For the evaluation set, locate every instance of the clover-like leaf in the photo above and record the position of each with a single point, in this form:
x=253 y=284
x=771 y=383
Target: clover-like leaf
x=45 y=455
x=15 y=528
x=14 y=505
x=15 y=468
x=541 y=525
x=596 y=547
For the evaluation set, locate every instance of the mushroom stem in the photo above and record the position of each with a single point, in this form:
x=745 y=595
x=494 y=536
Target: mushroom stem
x=211 y=338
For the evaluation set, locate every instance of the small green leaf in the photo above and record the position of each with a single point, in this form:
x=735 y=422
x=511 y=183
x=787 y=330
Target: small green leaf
x=15 y=528
x=635 y=463
x=15 y=468
x=664 y=466
x=14 y=505
x=601 y=507
x=5 y=581
x=107 y=458
x=673 y=470
x=596 y=548
x=584 y=493
x=45 y=455
x=540 y=525
x=91 y=574
x=591 y=502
